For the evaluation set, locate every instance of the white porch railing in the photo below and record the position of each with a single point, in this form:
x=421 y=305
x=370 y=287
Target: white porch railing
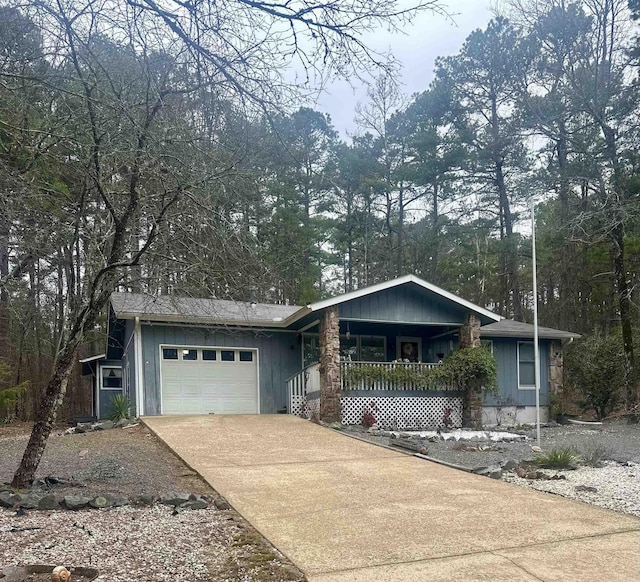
x=384 y=376
x=306 y=381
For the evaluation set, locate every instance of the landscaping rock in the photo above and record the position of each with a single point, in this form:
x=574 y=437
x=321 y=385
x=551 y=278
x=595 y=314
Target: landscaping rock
x=30 y=500
x=492 y=472
x=586 y=489
x=508 y=464
x=119 y=501
x=336 y=426
x=76 y=501
x=49 y=502
x=175 y=499
x=5 y=499
x=83 y=427
x=103 y=425
x=221 y=504
x=146 y=499
x=124 y=422
x=101 y=501
x=196 y=504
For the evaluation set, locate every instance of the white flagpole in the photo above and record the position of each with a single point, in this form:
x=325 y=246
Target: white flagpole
x=536 y=347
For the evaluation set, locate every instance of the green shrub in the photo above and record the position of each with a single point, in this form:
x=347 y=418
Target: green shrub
x=558 y=459
x=119 y=408
x=595 y=366
x=461 y=368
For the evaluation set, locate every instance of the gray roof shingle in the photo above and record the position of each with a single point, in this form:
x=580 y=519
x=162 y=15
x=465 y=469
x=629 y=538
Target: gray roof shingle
x=188 y=309
x=511 y=328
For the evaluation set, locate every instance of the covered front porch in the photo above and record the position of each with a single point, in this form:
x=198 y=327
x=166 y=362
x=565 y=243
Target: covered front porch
x=381 y=370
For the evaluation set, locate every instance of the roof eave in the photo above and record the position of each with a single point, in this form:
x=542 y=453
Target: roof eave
x=515 y=335
x=150 y=317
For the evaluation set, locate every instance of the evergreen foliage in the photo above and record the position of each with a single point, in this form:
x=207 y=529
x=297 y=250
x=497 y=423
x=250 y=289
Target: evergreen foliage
x=595 y=367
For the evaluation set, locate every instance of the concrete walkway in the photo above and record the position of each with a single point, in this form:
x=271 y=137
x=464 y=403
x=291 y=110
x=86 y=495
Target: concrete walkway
x=344 y=510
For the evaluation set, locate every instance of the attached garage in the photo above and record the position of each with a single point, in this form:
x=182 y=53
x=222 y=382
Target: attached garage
x=202 y=380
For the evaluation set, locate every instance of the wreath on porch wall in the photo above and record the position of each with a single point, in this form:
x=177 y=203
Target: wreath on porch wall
x=468 y=368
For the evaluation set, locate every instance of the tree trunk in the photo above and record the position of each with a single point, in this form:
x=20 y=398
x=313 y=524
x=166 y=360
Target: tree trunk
x=46 y=417
x=632 y=393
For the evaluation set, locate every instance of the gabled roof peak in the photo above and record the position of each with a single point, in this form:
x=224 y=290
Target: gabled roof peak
x=405 y=279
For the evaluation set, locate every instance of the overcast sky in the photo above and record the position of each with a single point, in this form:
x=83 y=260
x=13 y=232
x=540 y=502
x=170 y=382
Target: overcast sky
x=429 y=37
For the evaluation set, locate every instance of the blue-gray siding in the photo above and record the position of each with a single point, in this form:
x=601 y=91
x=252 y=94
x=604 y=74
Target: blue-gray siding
x=505 y=352
x=406 y=304
x=105 y=396
x=279 y=356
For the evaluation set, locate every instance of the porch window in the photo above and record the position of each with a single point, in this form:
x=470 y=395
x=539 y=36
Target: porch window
x=310 y=349
x=349 y=348
x=372 y=349
x=111 y=378
x=526 y=366
x=358 y=348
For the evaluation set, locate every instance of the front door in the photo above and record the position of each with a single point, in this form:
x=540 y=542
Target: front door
x=409 y=349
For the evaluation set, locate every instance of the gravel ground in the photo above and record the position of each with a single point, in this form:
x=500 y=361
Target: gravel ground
x=130 y=543
x=617 y=482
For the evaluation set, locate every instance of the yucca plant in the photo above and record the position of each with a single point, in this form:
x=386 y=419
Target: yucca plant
x=119 y=408
x=558 y=459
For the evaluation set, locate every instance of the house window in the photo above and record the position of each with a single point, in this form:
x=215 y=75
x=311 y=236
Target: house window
x=169 y=354
x=526 y=366
x=349 y=348
x=209 y=355
x=358 y=348
x=111 y=378
x=228 y=356
x=190 y=355
x=487 y=344
x=310 y=349
x=246 y=356
x=372 y=349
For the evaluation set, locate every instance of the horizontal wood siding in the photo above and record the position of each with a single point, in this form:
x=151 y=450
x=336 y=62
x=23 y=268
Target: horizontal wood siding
x=505 y=352
x=279 y=356
x=106 y=395
x=405 y=305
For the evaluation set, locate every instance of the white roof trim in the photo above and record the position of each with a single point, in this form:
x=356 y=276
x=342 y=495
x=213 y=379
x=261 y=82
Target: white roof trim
x=401 y=281
x=92 y=358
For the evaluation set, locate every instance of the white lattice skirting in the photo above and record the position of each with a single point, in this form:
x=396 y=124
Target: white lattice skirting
x=404 y=412
x=305 y=407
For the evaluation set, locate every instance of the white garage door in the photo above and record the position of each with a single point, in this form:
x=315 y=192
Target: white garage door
x=204 y=380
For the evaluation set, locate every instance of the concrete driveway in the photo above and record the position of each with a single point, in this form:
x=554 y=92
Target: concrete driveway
x=344 y=510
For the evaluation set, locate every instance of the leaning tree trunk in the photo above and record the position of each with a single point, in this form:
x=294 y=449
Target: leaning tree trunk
x=46 y=416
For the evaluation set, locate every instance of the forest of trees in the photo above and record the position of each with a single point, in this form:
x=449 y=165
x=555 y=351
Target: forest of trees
x=141 y=160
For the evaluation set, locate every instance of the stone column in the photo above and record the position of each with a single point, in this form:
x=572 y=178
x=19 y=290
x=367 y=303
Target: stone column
x=330 y=366
x=469 y=333
x=556 y=378
x=469 y=337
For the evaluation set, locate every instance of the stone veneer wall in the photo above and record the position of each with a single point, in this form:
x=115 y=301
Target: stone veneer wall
x=330 y=366
x=469 y=337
